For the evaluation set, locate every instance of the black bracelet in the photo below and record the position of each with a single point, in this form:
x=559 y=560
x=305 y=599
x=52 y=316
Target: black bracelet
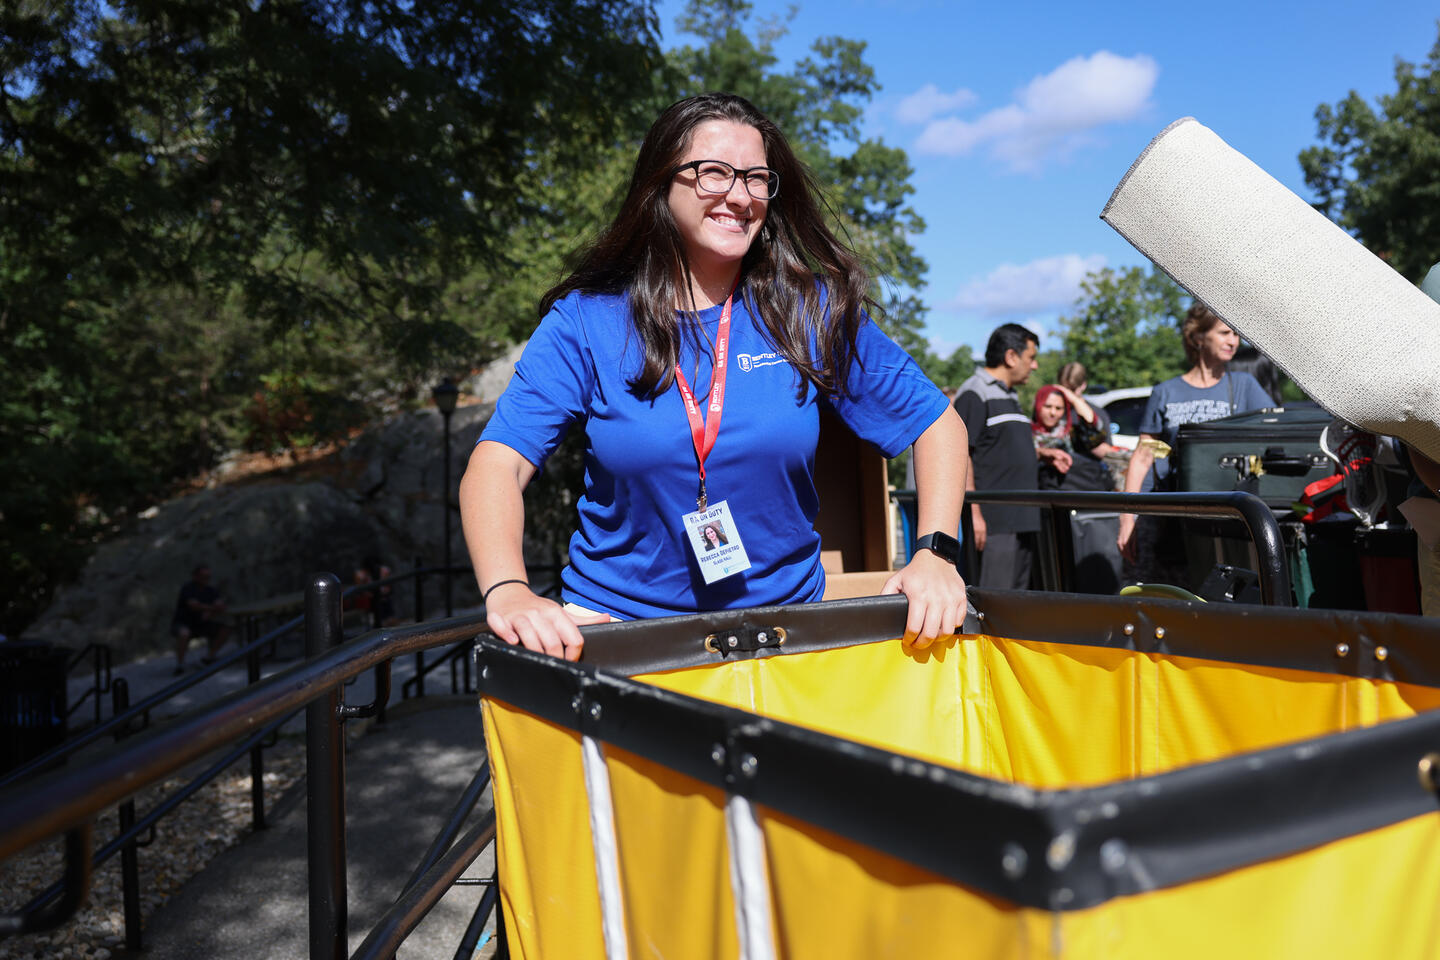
x=495 y=586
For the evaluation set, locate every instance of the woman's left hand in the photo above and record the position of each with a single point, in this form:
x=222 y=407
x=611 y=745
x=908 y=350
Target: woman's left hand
x=937 y=597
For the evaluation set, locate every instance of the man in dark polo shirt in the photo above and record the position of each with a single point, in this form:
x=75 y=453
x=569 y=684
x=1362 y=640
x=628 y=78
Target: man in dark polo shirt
x=1002 y=455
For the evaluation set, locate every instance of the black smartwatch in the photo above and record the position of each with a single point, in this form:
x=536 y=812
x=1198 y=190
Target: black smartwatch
x=942 y=544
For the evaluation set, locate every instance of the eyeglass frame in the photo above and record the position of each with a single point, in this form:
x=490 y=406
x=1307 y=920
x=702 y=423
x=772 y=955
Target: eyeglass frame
x=735 y=174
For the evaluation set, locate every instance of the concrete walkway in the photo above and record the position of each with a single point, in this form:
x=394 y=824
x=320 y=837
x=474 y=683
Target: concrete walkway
x=403 y=777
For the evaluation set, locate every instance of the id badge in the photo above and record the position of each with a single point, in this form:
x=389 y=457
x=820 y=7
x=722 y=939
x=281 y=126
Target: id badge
x=716 y=542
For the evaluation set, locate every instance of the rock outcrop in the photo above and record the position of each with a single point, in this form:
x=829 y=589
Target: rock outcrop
x=263 y=538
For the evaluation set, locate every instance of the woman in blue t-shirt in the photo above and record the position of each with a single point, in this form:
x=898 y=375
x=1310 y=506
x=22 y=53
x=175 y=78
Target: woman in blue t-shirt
x=1207 y=391
x=696 y=344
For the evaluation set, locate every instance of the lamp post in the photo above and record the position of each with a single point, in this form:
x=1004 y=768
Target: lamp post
x=445 y=394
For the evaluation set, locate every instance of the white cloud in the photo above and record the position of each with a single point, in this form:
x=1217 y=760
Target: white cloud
x=1051 y=283
x=1053 y=114
x=944 y=346
x=929 y=101
x=1036 y=326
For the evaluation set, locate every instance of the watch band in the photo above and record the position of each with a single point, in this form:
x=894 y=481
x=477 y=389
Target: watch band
x=941 y=544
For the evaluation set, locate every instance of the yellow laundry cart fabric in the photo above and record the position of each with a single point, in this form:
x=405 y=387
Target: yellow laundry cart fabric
x=1371 y=895
x=543 y=847
x=1047 y=714
x=991 y=797
x=673 y=861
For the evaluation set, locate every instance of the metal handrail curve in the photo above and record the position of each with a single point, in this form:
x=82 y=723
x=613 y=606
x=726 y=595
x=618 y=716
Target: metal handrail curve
x=1258 y=519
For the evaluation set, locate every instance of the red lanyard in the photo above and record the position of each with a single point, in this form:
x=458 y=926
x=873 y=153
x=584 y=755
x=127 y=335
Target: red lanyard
x=703 y=433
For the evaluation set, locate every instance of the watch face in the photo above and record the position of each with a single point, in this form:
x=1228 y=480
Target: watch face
x=942 y=544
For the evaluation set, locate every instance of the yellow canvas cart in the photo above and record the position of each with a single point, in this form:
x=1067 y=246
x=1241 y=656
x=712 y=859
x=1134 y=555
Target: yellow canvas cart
x=1072 y=777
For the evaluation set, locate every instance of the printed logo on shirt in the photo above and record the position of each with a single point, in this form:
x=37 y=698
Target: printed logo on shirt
x=749 y=361
x=1195 y=411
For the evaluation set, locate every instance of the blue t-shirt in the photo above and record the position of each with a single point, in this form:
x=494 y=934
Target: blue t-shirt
x=1174 y=403
x=630 y=556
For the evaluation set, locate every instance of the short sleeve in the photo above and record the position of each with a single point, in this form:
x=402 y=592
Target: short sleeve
x=972 y=411
x=1150 y=421
x=890 y=401
x=1102 y=421
x=551 y=390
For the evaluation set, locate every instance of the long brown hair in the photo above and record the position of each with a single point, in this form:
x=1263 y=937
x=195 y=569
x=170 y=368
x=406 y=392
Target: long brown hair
x=794 y=255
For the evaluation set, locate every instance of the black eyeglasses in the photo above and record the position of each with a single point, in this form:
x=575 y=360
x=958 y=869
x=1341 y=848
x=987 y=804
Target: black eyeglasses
x=717 y=176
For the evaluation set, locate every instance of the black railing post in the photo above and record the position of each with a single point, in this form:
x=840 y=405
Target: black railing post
x=1047 y=553
x=967 y=547
x=325 y=780
x=1062 y=530
x=419 y=618
x=445 y=505
x=129 y=855
x=99 y=689
x=257 y=753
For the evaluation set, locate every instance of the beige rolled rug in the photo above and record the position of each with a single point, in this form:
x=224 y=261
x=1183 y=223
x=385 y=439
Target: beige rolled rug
x=1357 y=336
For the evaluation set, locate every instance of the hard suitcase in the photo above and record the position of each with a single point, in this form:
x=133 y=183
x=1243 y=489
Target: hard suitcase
x=1273 y=453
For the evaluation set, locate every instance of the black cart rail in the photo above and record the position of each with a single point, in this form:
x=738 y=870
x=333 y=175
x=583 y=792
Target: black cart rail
x=1057 y=556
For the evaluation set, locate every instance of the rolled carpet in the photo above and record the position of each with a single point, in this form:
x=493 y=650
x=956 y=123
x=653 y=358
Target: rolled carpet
x=1357 y=336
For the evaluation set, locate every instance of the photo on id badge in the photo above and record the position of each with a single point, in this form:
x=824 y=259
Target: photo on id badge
x=716 y=542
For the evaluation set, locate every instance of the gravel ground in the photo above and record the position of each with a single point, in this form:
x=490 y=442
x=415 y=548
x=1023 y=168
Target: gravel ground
x=212 y=820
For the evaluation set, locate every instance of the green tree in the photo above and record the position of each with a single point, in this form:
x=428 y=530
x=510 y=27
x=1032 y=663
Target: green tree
x=1377 y=172
x=953 y=370
x=199 y=199
x=1126 y=327
x=819 y=103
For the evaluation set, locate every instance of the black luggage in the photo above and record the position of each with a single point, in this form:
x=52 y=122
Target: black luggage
x=1273 y=453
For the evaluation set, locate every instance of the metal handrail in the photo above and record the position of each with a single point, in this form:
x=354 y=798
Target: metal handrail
x=54 y=802
x=459 y=813
x=120 y=721
x=146 y=823
x=68 y=800
x=143 y=707
x=102 y=672
x=1259 y=521
x=390 y=932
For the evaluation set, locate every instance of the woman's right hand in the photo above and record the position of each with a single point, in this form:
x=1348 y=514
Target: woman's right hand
x=1082 y=409
x=516 y=615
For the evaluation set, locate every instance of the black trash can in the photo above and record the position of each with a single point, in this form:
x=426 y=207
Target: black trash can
x=33 y=700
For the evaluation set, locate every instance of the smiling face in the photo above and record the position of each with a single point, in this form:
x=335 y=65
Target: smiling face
x=718 y=228
x=711 y=535
x=1051 y=411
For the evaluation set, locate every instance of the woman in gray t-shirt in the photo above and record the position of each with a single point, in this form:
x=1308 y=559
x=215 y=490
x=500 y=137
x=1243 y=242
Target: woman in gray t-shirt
x=1207 y=391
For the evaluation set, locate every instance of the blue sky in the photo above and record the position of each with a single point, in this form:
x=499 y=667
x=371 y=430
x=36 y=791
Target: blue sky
x=1020 y=118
